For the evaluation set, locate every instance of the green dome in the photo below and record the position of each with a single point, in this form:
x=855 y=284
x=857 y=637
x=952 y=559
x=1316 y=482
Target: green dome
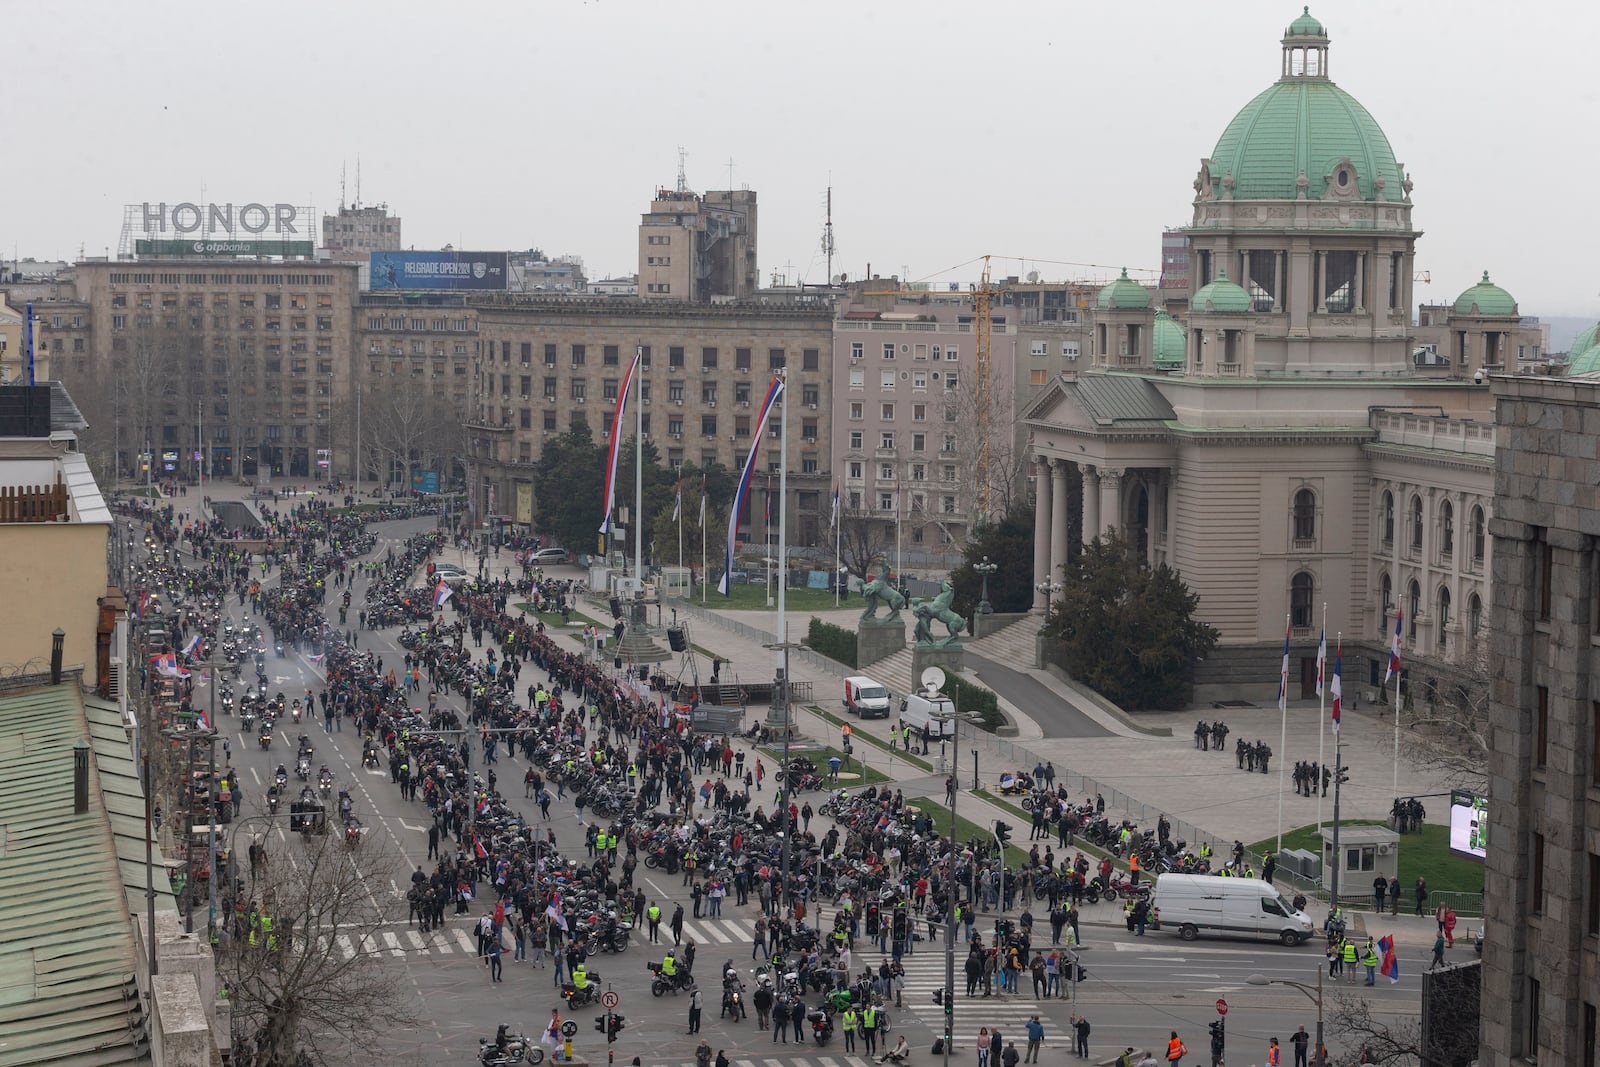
x=1221 y=296
x=1485 y=298
x=1587 y=362
x=1584 y=342
x=1168 y=347
x=1124 y=293
x=1303 y=124
x=1306 y=26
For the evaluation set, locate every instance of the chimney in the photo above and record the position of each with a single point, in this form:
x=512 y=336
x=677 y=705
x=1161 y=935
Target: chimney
x=56 y=638
x=80 y=778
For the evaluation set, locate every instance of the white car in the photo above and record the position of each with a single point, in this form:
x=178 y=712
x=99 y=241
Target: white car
x=551 y=557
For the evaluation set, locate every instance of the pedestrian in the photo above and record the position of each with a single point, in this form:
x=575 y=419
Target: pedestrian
x=654 y=917
x=1422 y=894
x=696 y=1002
x=1301 y=1041
x=1369 y=960
x=1380 y=889
x=1176 y=1050
x=1080 y=1034
x=760 y=944
x=1035 y=1031
x=677 y=924
x=494 y=957
x=1009 y=1057
x=1274 y=1054
x=780 y=1024
x=982 y=1045
x=848 y=1021
x=797 y=1020
x=1438 y=952
x=1450 y=927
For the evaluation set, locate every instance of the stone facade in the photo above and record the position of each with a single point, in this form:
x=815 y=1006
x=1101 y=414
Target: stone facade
x=549 y=363
x=1541 y=958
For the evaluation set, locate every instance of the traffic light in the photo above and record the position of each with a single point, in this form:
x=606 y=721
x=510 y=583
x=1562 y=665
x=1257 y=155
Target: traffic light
x=902 y=925
x=1219 y=1040
x=609 y=1024
x=872 y=920
x=939 y=998
x=1343 y=774
x=1002 y=831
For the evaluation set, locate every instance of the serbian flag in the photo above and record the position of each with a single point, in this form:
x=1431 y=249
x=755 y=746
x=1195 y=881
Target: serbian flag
x=614 y=450
x=477 y=846
x=553 y=913
x=1322 y=660
x=742 y=494
x=483 y=806
x=833 y=517
x=1391 y=962
x=195 y=646
x=1337 y=687
x=441 y=593
x=1394 y=646
x=1283 y=678
x=677 y=501
x=203 y=719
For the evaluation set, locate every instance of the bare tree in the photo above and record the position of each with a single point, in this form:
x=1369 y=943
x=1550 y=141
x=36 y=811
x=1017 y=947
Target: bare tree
x=864 y=537
x=1007 y=451
x=403 y=424
x=1396 y=1040
x=316 y=984
x=1449 y=734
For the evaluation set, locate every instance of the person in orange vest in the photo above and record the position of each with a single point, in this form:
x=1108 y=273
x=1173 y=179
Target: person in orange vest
x=1175 y=1050
x=1274 y=1054
x=1133 y=867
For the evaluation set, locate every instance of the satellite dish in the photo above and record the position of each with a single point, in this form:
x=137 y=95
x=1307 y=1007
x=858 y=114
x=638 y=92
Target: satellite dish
x=932 y=679
x=1033 y=277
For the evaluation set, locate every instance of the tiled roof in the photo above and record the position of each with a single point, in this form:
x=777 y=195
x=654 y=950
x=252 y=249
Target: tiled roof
x=67 y=989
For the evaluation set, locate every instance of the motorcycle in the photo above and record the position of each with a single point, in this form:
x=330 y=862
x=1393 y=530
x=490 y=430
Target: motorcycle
x=325 y=783
x=272 y=801
x=518 y=1050
x=302 y=769
x=247 y=717
x=661 y=984
x=369 y=755
x=294 y=712
x=589 y=994
x=732 y=993
x=821 y=1024
x=264 y=739
x=281 y=779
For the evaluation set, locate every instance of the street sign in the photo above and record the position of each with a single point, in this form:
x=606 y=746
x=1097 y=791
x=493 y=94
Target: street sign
x=569 y=1028
x=1222 y=1006
x=609 y=999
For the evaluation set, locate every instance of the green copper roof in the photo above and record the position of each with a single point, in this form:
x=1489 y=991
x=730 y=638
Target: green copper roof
x=1221 y=296
x=1306 y=26
x=1485 y=298
x=1124 y=293
x=1584 y=341
x=1585 y=362
x=1167 y=342
x=1303 y=125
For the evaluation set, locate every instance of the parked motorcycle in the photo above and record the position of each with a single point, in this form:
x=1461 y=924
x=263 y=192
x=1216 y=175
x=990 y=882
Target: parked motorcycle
x=821 y=1024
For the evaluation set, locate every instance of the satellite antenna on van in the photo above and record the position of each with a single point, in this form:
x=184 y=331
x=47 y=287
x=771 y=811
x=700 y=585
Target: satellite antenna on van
x=932 y=681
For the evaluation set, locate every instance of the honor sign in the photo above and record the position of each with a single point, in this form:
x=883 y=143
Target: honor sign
x=190 y=229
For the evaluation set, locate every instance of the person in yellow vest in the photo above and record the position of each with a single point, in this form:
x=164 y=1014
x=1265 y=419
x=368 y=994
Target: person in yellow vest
x=1369 y=960
x=869 y=1028
x=653 y=914
x=267 y=934
x=1348 y=955
x=848 y=1021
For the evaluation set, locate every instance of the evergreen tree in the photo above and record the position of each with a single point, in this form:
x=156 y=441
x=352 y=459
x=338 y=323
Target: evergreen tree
x=1009 y=545
x=569 y=486
x=1127 y=631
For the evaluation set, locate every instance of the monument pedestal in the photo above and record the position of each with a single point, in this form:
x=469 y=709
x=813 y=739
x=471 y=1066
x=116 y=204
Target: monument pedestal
x=878 y=639
x=948 y=659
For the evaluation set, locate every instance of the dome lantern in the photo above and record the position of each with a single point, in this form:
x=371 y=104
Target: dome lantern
x=1485 y=298
x=1305 y=48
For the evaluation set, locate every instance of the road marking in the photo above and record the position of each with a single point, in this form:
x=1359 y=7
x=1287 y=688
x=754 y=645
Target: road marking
x=343 y=941
x=711 y=934
x=416 y=940
x=254 y=774
x=408 y=826
x=376 y=770
x=442 y=943
x=465 y=942
x=1191 y=974
x=393 y=941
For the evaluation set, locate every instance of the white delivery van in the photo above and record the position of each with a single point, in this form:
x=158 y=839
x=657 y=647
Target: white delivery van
x=917 y=711
x=1231 y=907
x=865 y=697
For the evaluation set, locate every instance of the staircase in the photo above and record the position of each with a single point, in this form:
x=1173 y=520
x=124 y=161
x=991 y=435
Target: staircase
x=894 y=671
x=1011 y=647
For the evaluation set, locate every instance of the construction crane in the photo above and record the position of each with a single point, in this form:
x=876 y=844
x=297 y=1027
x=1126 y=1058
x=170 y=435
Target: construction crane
x=983 y=295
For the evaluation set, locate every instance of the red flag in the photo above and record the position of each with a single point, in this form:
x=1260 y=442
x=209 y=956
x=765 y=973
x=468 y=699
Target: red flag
x=477 y=846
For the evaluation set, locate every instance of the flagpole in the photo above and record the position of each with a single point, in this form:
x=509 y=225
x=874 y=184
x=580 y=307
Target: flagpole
x=638 y=483
x=772 y=563
x=899 y=552
x=679 y=510
x=1397 y=677
x=1322 y=708
x=838 y=530
x=1283 y=729
x=703 y=576
x=783 y=545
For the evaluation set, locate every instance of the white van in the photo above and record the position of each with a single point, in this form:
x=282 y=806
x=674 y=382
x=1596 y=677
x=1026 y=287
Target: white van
x=917 y=711
x=865 y=697
x=1232 y=907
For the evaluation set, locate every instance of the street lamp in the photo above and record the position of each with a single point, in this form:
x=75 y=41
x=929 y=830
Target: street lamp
x=783 y=706
x=950 y=902
x=1049 y=589
x=985 y=568
x=1312 y=993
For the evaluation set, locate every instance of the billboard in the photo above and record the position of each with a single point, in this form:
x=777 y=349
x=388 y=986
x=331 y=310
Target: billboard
x=424 y=481
x=439 y=270
x=152 y=247
x=164 y=227
x=1469 y=824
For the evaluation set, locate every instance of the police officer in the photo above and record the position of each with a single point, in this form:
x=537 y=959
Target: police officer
x=653 y=913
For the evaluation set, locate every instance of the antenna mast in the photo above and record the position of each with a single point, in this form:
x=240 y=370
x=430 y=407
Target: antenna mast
x=357 y=204
x=683 y=177
x=342 y=167
x=827 y=236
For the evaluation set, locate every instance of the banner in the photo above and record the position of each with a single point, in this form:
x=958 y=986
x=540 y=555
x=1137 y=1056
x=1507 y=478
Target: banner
x=774 y=391
x=438 y=270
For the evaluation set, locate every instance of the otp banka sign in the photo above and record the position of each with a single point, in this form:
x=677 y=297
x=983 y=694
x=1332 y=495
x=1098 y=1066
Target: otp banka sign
x=225 y=220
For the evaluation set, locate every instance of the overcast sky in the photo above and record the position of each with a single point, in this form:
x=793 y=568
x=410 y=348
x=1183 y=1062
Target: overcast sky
x=1059 y=137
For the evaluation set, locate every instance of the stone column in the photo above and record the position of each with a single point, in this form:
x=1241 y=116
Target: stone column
x=1170 y=478
x=1277 y=281
x=1110 y=500
x=1361 y=283
x=1058 y=518
x=1319 y=279
x=1041 y=531
x=1091 y=503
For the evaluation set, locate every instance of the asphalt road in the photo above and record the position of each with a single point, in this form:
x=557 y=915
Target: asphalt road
x=1137 y=991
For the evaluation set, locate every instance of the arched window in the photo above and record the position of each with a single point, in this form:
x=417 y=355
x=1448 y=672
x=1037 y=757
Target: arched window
x=1447 y=529
x=1302 y=590
x=1477 y=534
x=1305 y=515
x=1416 y=523
x=1388 y=595
x=1388 y=517
x=1413 y=608
x=1474 y=615
x=1444 y=613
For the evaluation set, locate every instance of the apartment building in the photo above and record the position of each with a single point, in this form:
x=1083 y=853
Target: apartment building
x=699 y=248
x=355 y=232
x=550 y=364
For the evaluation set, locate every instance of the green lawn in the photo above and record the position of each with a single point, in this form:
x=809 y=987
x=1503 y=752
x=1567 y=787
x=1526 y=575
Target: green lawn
x=553 y=621
x=869 y=775
x=1426 y=854
x=937 y=810
x=747 y=597
x=871 y=739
